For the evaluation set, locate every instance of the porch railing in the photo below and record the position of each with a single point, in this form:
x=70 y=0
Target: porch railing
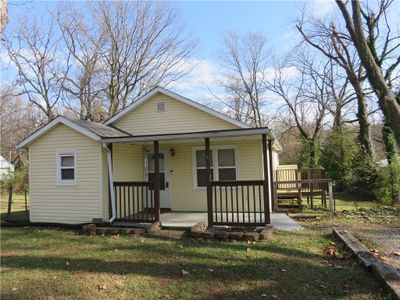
x=134 y=201
x=238 y=203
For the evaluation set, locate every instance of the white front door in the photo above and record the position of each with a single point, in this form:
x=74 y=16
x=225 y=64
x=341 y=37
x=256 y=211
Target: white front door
x=164 y=176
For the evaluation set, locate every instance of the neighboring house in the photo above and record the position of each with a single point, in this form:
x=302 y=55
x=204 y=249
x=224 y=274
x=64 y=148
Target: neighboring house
x=74 y=164
x=5 y=167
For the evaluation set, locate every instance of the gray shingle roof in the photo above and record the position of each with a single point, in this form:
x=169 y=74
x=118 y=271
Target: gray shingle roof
x=100 y=129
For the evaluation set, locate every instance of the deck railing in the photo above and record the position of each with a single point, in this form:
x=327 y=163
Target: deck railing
x=304 y=187
x=134 y=201
x=238 y=203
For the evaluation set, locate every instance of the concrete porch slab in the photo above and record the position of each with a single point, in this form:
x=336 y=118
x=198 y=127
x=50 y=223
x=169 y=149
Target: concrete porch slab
x=188 y=219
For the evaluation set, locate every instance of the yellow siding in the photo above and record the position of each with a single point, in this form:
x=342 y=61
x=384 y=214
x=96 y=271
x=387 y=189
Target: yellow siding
x=177 y=118
x=77 y=203
x=128 y=162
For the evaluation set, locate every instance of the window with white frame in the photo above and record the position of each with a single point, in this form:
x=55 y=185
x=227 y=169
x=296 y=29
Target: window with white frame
x=224 y=168
x=66 y=167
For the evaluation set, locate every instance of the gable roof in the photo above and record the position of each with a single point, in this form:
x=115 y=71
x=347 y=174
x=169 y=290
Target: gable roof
x=177 y=97
x=95 y=131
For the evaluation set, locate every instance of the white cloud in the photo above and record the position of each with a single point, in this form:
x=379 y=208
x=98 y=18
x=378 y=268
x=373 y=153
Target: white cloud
x=203 y=83
x=322 y=8
x=203 y=77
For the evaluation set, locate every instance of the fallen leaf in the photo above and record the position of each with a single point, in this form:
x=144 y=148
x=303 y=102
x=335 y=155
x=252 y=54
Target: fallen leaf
x=14 y=289
x=184 y=272
x=384 y=259
x=396 y=253
x=101 y=286
x=374 y=250
x=329 y=250
x=142 y=240
x=323 y=286
x=116 y=236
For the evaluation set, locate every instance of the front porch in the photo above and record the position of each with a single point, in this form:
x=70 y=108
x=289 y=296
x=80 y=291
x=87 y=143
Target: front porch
x=224 y=176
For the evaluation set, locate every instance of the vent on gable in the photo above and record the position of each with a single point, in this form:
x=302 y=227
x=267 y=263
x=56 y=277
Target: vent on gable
x=161 y=106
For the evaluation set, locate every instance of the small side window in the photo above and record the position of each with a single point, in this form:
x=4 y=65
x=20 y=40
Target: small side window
x=161 y=106
x=66 y=168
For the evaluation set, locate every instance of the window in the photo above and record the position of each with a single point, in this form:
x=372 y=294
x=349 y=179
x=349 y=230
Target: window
x=201 y=172
x=66 y=168
x=226 y=164
x=223 y=169
x=160 y=106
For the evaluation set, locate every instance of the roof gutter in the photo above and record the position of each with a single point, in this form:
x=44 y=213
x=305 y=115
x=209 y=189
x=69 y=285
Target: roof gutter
x=111 y=183
x=196 y=135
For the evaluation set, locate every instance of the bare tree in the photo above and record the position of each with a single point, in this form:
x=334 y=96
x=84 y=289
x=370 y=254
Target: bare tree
x=341 y=95
x=3 y=15
x=146 y=45
x=306 y=98
x=82 y=86
x=33 y=49
x=335 y=45
x=244 y=61
x=17 y=119
x=366 y=46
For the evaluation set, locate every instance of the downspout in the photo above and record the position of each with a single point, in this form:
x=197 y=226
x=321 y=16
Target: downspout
x=110 y=182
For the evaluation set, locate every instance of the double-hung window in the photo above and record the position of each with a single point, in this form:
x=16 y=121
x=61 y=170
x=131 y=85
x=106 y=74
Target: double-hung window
x=201 y=171
x=66 y=167
x=226 y=164
x=223 y=165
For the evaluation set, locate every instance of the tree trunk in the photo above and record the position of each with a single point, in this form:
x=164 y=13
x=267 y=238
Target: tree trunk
x=364 y=134
x=387 y=99
x=389 y=141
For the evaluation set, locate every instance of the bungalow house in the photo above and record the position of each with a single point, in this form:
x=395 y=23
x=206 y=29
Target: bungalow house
x=162 y=153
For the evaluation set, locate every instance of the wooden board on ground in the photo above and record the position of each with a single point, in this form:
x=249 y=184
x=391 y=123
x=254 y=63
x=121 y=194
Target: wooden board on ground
x=387 y=273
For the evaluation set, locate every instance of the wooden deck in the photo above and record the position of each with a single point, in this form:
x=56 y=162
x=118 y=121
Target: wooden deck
x=291 y=186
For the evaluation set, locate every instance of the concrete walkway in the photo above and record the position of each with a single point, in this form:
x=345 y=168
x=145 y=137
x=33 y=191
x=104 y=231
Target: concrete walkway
x=188 y=219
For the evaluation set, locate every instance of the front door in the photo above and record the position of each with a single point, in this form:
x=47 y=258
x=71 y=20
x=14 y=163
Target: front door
x=164 y=176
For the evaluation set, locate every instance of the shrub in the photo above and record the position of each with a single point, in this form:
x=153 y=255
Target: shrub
x=337 y=155
x=18 y=179
x=387 y=190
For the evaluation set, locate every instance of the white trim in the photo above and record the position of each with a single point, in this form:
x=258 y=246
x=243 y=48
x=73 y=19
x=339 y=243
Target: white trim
x=57 y=121
x=59 y=180
x=180 y=98
x=214 y=149
x=110 y=183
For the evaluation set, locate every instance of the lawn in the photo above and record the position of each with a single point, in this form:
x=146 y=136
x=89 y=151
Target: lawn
x=18 y=212
x=42 y=263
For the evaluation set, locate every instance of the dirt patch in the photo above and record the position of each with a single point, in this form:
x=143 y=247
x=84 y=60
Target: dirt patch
x=384 y=242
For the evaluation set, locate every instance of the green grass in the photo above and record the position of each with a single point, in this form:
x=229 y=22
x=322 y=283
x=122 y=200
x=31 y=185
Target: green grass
x=60 y=264
x=350 y=202
x=18 y=212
